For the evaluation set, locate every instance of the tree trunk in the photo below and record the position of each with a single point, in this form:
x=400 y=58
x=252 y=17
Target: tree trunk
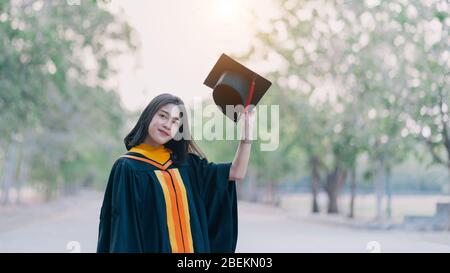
x=448 y=169
x=270 y=193
x=352 y=193
x=333 y=201
x=380 y=178
x=22 y=179
x=249 y=191
x=335 y=182
x=389 y=194
x=25 y=154
x=9 y=172
x=315 y=179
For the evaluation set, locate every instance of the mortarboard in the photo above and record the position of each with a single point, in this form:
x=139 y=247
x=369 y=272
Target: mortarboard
x=235 y=84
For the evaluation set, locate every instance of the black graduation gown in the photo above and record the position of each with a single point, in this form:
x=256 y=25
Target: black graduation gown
x=133 y=216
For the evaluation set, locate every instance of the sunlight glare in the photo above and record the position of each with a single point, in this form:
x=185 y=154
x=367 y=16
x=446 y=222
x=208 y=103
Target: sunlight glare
x=228 y=10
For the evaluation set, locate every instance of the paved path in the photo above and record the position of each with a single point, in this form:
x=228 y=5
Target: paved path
x=71 y=225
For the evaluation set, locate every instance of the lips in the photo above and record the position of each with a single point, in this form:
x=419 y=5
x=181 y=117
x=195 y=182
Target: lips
x=163 y=133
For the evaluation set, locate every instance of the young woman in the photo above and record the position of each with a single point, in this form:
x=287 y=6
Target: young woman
x=164 y=196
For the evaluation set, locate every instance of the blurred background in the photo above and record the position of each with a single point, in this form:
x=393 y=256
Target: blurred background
x=363 y=86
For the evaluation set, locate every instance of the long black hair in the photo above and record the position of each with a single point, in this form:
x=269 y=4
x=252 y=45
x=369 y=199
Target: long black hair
x=180 y=148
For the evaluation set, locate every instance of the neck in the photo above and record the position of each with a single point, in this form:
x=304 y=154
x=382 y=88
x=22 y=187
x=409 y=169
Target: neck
x=159 y=154
x=150 y=142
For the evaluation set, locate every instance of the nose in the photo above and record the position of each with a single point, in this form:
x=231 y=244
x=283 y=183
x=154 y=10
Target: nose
x=166 y=125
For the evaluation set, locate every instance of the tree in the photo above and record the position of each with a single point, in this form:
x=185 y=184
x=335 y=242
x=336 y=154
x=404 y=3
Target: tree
x=55 y=102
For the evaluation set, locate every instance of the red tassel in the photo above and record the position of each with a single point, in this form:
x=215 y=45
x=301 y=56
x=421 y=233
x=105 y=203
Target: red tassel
x=250 y=93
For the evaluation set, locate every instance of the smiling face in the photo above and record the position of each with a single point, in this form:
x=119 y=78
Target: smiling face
x=164 y=125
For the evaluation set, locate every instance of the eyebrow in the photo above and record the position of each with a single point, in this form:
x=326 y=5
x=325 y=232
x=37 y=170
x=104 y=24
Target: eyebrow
x=169 y=114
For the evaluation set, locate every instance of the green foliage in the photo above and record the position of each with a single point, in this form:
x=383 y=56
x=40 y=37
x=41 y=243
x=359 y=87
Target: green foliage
x=54 y=99
x=356 y=80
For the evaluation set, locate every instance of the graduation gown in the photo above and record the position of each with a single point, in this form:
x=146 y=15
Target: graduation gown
x=151 y=206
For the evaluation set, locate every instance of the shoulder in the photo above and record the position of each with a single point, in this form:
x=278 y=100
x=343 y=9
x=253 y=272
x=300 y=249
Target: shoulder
x=121 y=164
x=195 y=159
x=192 y=156
x=128 y=164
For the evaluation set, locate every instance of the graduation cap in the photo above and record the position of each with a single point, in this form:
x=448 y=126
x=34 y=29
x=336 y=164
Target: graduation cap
x=235 y=84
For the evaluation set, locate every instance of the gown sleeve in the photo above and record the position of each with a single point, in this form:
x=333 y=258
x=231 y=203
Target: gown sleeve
x=119 y=228
x=219 y=196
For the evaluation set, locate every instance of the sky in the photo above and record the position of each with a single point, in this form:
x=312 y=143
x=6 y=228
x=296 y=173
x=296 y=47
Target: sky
x=180 y=41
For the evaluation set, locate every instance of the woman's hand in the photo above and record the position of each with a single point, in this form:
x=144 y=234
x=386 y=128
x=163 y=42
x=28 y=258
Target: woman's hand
x=249 y=117
x=239 y=166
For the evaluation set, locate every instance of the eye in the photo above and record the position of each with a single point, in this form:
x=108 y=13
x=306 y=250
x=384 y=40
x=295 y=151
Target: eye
x=162 y=115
